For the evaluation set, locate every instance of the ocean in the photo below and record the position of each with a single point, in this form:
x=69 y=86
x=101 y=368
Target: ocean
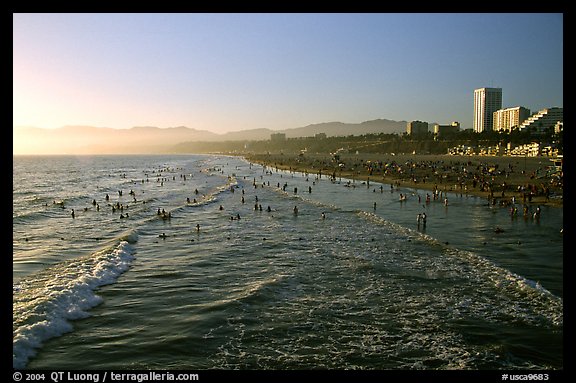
x=201 y=262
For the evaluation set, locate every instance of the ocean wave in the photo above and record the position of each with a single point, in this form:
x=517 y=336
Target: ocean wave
x=527 y=299
x=44 y=305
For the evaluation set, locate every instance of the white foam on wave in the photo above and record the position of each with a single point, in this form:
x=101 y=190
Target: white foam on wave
x=527 y=300
x=130 y=236
x=518 y=297
x=44 y=304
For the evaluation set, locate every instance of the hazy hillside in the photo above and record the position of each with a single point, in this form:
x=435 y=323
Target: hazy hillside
x=88 y=140
x=147 y=139
x=346 y=129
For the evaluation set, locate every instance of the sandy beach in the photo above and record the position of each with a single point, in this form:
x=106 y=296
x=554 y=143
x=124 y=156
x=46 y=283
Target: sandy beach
x=529 y=180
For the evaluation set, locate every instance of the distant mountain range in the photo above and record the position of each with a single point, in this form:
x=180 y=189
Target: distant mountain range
x=147 y=139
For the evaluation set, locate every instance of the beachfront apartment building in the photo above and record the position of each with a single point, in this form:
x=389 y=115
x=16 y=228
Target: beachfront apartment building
x=416 y=127
x=504 y=120
x=544 y=119
x=441 y=130
x=486 y=102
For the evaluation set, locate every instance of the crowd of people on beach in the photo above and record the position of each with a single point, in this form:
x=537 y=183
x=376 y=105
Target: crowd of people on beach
x=478 y=176
x=482 y=178
x=494 y=180
x=460 y=176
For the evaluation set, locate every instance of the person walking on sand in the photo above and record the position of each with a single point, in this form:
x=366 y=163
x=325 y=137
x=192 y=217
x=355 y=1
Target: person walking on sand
x=295 y=210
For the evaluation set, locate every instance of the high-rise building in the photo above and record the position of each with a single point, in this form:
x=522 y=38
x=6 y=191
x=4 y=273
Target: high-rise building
x=486 y=102
x=506 y=119
x=543 y=119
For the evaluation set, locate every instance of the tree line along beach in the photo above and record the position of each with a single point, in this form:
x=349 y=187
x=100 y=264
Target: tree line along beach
x=532 y=180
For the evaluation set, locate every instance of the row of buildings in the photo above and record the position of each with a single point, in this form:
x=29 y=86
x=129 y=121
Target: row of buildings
x=534 y=149
x=489 y=115
x=421 y=127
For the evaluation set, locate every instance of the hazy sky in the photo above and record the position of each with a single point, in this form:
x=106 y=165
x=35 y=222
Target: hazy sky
x=228 y=72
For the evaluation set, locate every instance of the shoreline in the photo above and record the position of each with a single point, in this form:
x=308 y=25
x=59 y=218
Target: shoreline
x=496 y=179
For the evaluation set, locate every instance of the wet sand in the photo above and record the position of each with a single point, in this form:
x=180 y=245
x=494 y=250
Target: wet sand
x=529 y=180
